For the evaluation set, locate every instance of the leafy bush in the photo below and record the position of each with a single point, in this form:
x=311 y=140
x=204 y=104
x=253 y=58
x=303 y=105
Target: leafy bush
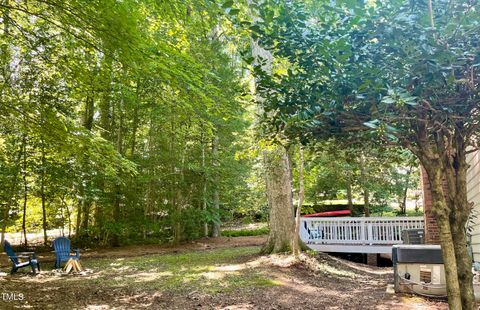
x=246 y=232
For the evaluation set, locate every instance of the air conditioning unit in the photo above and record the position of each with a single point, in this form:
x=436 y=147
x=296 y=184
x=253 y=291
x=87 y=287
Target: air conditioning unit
x=413 y=236
x=419 y=269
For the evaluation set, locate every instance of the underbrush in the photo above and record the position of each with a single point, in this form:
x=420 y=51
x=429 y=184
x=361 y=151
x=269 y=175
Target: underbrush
x=245 y=232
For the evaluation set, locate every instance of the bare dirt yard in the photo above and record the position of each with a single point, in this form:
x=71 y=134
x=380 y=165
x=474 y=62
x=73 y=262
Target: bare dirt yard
x=223 y=273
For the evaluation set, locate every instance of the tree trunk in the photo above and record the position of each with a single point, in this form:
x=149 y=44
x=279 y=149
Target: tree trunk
x=204 y=198
x=366 y=202
x=403 y=207
x=149 y=204
x=105 y=119
x=79 y=212
x=349 y=196
x=174 y=184
x=216 y=196
x=118 y=191
x=452 y=153
x=135 y=120
x=42 y=194
x=449 y=260
x=84 y=224
x=301 y=196
x=85 y=200
x=25 y=190
x=441 y=212
x=464 y=267
x=116 y=216
x=68 y=216
x=366 y=192
x=455 y=170
x=279 y=194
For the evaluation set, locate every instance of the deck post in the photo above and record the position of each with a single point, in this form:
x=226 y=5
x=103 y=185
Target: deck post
x=370 y=233
x=372 y=259
x=362 y=232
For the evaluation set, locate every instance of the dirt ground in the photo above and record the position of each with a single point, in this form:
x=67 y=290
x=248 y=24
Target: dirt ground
x=222 y=273
x=151 y=249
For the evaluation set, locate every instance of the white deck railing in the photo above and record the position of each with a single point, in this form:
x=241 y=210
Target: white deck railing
x=356 y=230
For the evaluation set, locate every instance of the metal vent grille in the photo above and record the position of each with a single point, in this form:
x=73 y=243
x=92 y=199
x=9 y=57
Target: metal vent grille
x=425 y=276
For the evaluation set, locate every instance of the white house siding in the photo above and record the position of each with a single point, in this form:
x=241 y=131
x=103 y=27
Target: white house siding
x=473 y=194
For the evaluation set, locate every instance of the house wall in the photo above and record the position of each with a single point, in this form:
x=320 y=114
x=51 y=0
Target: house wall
x=431 y=228
x=473 y=194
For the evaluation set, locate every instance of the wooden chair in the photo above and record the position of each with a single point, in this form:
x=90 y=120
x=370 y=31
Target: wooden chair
x=30 y=259
x=61 y=246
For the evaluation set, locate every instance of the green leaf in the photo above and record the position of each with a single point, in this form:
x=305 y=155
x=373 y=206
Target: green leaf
x=372 y=124
x=234 y=11
x=255 y=28
x=227 y=4
x=388 y=100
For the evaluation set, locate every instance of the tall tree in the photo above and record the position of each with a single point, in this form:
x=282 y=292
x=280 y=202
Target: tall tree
x=399 y=72
x=95 y=86
x=280 y=201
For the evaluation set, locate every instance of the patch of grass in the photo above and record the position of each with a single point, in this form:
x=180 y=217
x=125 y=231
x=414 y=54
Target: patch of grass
x=246 y=232
x=205 y=271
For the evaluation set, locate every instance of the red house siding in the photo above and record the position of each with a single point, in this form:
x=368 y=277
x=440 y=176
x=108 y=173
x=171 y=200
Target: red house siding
x=431 y=228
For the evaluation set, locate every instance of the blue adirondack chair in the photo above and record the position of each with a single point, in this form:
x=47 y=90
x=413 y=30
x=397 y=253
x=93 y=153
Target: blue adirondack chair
x=61 y=245
x=30 y=259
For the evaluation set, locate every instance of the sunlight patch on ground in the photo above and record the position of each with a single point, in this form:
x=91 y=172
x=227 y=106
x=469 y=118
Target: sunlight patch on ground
x=124 y=268
x=148 y=276
x=322 y=267
x=303 y=287
x=277 y=260
x=243 y=306
x=116 y=264
x=230 y=268
x=98 y=307
x=213 y=275
x=336 y=271
x=141 y=300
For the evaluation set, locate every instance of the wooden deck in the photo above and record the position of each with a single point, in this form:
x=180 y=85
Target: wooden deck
x=356 y=234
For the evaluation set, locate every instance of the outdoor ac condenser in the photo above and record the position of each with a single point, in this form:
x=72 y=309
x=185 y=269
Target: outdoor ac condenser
x=419 y=269
x=413 y=236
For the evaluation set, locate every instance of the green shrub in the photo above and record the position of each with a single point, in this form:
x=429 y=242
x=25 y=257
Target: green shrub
x=246 y=232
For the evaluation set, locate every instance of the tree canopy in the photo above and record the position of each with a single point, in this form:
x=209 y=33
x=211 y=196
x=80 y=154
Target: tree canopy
x=402 y=73
x=119 y=115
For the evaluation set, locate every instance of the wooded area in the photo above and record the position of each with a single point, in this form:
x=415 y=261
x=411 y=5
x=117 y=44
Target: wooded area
x=119 y=119
x=125 y=121
x=144 y=121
